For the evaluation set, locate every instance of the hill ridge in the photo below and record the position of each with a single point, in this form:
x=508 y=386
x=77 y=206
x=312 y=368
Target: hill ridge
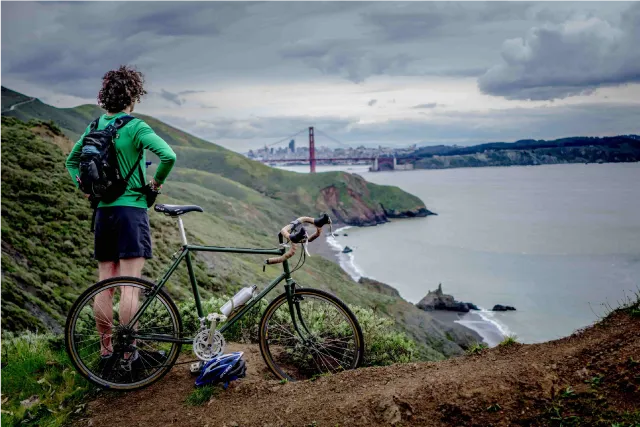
x=348 y=198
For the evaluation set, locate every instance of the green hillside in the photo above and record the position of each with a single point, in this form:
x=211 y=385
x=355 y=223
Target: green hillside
x=347 y=197
x=11 y=98
x=47 y=246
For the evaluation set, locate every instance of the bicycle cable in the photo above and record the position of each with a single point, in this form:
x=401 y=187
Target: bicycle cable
x=298 y=266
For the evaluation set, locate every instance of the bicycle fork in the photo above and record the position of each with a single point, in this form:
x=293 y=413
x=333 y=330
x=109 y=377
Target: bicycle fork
x=295 y=312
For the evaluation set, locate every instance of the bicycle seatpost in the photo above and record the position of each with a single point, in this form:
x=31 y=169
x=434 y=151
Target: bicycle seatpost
x=183 y=235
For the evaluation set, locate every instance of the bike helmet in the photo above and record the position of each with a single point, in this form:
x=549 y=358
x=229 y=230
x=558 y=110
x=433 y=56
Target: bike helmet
x=222 y=369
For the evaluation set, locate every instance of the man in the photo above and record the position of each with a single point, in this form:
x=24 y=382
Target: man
x=122 y=234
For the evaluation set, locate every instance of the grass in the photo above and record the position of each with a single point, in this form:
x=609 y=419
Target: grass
x=594 y=381
x=586 y=409
x=202 y=395
x=509 y=341
x=36 y=368
x=47 y=246
x=629 y=304
x=477 y=348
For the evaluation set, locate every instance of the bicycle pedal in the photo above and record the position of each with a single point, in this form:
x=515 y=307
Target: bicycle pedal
x=196 y=367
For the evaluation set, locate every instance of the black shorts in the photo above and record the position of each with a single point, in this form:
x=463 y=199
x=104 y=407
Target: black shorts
x=122 y=232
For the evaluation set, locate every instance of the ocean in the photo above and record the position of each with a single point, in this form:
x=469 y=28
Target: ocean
x=561 y=243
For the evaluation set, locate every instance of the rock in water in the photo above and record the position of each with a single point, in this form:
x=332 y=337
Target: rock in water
x=437 y=300
x=346 y=250
x=500 y=307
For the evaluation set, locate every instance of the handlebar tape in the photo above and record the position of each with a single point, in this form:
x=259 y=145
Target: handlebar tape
x=282 y=258
x=299 y=235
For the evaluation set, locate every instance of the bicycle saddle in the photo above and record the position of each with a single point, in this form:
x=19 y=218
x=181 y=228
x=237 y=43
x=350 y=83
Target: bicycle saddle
x=175 y=210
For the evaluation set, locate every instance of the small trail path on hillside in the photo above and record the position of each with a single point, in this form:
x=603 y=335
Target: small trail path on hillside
x=505 y=386
x=13 y=107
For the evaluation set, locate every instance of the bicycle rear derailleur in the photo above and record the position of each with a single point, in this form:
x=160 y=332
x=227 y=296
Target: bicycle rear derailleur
x=208 y=342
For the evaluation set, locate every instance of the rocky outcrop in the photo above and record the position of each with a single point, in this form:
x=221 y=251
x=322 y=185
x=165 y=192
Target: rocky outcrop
x=359 y=203
x=500 y=307
x=347 y=206
x=411 y=213
x=437 y=300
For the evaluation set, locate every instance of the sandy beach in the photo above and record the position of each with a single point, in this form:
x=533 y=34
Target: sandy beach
x=490 y=334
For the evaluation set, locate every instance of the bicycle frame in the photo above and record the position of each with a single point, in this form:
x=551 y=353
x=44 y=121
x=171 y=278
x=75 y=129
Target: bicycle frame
x=184 y=253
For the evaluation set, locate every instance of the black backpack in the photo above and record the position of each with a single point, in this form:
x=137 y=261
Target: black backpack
x=100 y=174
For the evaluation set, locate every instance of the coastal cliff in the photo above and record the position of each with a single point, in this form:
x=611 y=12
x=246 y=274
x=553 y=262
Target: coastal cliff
x=359 y=203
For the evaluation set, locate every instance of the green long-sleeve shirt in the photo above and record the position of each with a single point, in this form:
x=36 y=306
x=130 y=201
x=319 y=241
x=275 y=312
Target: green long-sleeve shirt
x=132 y=137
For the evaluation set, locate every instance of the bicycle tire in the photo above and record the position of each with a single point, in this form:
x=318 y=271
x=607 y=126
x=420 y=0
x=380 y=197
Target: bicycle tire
x=282 y=299
x=73 y=316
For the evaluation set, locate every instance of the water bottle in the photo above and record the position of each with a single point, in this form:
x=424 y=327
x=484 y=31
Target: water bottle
x=238 y=299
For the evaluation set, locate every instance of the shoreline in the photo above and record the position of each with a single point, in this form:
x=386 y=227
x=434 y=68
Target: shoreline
x=491 y=332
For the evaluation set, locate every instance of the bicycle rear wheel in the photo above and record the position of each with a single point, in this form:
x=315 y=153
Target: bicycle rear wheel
x=321 y=336
x=94 y=329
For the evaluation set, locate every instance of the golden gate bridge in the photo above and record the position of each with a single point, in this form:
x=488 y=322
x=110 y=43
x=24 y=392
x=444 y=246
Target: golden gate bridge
x=378 y=161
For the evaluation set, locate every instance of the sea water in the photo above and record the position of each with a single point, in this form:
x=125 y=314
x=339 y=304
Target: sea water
x=561 y=243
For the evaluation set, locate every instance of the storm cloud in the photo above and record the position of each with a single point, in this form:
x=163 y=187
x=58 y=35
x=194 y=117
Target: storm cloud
x=569 y=58
x=244 y=74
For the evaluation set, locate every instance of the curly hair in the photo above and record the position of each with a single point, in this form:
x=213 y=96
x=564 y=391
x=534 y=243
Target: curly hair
x=121 y=88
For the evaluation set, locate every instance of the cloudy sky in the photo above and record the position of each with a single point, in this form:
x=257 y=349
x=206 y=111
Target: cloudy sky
x=243 y=74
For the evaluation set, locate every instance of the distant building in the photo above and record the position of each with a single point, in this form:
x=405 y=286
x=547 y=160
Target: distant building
x=292 y=145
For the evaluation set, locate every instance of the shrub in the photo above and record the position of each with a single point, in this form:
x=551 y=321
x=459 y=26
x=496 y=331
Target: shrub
x=384 y=345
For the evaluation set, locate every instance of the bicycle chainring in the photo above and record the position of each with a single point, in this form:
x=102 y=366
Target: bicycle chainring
x=205 y=350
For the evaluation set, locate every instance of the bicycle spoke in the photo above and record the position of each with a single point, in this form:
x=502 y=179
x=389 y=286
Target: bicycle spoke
x=119 y=369
x=329 y=344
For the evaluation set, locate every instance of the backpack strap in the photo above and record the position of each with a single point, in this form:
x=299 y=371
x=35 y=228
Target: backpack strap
x=94 y=206
x=94 y=124
x=118 y=124
x=135 y=166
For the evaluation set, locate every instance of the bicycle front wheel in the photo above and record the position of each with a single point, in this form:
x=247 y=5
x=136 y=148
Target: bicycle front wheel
x=107 y=350
x=316 y=334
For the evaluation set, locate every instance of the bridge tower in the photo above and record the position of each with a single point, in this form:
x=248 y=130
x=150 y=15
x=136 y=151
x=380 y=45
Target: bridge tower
x=312 y=151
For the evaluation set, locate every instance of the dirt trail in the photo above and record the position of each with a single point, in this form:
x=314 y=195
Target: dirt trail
x=516 y=385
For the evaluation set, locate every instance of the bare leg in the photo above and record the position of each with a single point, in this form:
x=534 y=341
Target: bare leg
x=103 y=307
x=130 y=296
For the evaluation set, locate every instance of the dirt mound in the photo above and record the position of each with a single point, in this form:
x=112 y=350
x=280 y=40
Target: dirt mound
x=591 y=378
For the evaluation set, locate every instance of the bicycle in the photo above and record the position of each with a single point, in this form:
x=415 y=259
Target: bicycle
x=302 y=333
